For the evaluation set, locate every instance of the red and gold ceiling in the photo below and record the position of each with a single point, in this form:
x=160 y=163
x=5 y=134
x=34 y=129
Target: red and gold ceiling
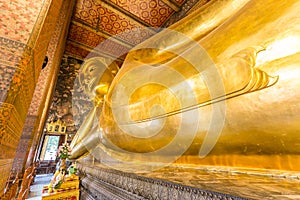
x=107 y=28
x=110 y=28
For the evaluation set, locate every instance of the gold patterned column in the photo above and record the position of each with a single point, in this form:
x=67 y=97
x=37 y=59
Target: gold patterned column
x=26 y=29
x=48 y=77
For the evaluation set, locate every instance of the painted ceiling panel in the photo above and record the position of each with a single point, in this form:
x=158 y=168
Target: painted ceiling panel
x=84 y=36
x=87 y=12
x=153 y=12
x=115 y=24
x=119 y=25
x=108 y=48
x=102 y=18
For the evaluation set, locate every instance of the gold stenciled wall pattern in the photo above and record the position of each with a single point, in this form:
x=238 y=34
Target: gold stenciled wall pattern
x=17 y=26
x=62 y=106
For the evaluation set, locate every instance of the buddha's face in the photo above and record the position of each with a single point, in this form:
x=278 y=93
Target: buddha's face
x=90 y=74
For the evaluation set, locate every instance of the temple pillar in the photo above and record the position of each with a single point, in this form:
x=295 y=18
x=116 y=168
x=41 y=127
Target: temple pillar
x=55 y=53
x=36 y=114
x=26 y=30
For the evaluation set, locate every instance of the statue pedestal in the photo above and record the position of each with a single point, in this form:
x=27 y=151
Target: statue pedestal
x=68 y=190
x=177 y=182
x=99 y=182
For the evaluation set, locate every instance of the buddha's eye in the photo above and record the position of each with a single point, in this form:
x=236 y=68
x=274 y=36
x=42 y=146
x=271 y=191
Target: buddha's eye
x=92 y=69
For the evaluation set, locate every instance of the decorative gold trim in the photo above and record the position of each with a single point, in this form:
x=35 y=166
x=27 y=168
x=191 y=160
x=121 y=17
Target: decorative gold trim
x=57 y=127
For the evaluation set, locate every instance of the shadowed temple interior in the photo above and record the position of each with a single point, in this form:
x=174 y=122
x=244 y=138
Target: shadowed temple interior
x=159 y=99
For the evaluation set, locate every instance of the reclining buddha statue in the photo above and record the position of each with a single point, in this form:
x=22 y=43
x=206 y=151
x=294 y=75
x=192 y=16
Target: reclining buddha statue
x=218 y=88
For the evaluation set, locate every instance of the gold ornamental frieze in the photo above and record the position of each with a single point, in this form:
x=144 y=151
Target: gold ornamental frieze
x=10 y=130
x=11 y=125
x=17 y=69
x=58 y=127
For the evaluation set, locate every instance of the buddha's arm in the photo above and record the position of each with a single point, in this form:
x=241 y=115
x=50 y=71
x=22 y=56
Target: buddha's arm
x=87 y=143
x=193 y=27
x=196 y=26
x=85 y=128
x=238 y=75
x=251 y=119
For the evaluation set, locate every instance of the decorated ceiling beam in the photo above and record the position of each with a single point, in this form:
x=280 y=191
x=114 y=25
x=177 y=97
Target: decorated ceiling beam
x=71 y=55
x=172 y=4
x=94 y=50
x=103 y=34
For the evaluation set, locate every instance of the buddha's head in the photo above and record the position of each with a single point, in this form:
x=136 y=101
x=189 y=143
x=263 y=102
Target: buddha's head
x=96 y=75
x=90 y=73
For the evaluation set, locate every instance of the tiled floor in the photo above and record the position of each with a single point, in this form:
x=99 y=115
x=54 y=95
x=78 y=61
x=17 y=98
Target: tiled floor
x=37 y=186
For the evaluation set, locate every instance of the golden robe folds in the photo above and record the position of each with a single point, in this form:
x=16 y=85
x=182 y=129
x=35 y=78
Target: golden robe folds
x=220 y=87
